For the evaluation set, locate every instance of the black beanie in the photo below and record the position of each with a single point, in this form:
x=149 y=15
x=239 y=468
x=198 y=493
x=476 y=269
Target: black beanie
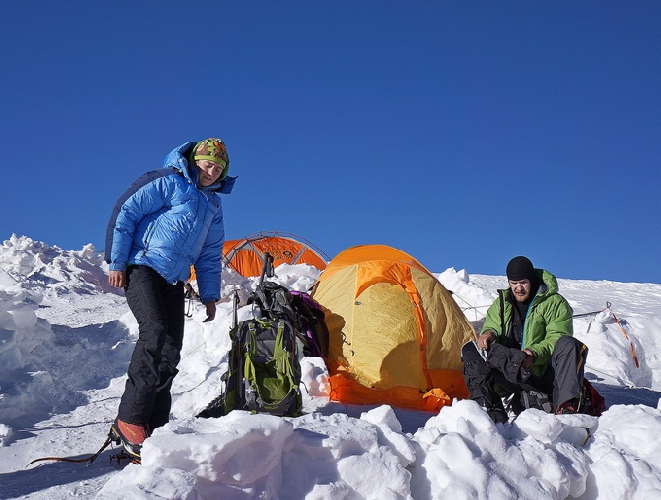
x=520 y=268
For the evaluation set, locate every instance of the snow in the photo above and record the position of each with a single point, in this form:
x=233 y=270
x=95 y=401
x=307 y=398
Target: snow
x=66 y=338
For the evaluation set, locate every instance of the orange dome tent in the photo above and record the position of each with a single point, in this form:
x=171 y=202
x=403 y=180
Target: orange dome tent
x=395 y=331
x=246 y=255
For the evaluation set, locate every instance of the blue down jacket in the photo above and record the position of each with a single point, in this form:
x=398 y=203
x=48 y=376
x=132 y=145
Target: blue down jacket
x=167 y=221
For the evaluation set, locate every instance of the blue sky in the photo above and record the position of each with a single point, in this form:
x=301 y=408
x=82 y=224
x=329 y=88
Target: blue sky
x=464 y=133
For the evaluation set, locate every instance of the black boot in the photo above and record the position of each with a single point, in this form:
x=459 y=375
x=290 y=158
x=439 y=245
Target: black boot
x=498 y=415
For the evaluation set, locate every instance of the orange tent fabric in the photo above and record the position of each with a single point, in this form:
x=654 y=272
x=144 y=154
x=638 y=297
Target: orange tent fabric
x=246 y=255
x=395 y=331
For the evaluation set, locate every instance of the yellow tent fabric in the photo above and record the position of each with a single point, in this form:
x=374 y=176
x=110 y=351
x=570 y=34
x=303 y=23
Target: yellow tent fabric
x=395 y=331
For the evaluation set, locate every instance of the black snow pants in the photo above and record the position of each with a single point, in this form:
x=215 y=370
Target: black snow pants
x=503 y=373
x=159 y=308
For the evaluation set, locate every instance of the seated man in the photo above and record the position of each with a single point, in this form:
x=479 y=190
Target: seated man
x=526 y=344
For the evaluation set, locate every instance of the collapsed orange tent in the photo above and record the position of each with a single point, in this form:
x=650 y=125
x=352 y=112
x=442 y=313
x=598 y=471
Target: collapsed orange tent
x=246 y=255
x=395 y=331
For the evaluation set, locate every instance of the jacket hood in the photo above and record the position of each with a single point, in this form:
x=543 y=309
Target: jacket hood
x=549 y=284
x=178 y=159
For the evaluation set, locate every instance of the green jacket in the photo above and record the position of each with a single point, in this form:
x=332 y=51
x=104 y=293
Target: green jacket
x=549 y=317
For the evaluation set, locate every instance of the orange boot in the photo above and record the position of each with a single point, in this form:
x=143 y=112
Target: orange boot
x=131 y=435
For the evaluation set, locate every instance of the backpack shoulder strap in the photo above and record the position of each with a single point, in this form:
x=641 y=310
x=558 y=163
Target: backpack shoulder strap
x=140 y=182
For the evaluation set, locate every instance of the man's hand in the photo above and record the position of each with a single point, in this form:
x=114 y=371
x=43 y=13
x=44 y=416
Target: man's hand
x=117 y=278
x=485 y=340
x=211 y=310
x=530 y=357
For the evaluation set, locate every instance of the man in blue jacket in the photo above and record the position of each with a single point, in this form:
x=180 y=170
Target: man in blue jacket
x=168 y=220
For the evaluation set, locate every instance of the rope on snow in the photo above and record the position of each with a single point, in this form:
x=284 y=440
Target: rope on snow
x=608 y=308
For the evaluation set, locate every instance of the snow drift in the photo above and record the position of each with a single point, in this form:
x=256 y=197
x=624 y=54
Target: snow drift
x=65 y=342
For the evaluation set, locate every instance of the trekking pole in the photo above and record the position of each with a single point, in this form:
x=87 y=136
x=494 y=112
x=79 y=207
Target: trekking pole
x=267 y=268
x=235 y=309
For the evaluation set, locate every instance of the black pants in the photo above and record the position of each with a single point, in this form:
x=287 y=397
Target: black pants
x=503 y=373
x=159 y=308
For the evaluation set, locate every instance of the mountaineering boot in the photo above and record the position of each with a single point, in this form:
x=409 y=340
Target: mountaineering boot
x=131 y=436
x=536 y=399
x=569 y=407
x=494 y=409
x=498 y=415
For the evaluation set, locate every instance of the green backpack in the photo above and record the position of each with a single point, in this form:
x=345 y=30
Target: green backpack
x=264 y=372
